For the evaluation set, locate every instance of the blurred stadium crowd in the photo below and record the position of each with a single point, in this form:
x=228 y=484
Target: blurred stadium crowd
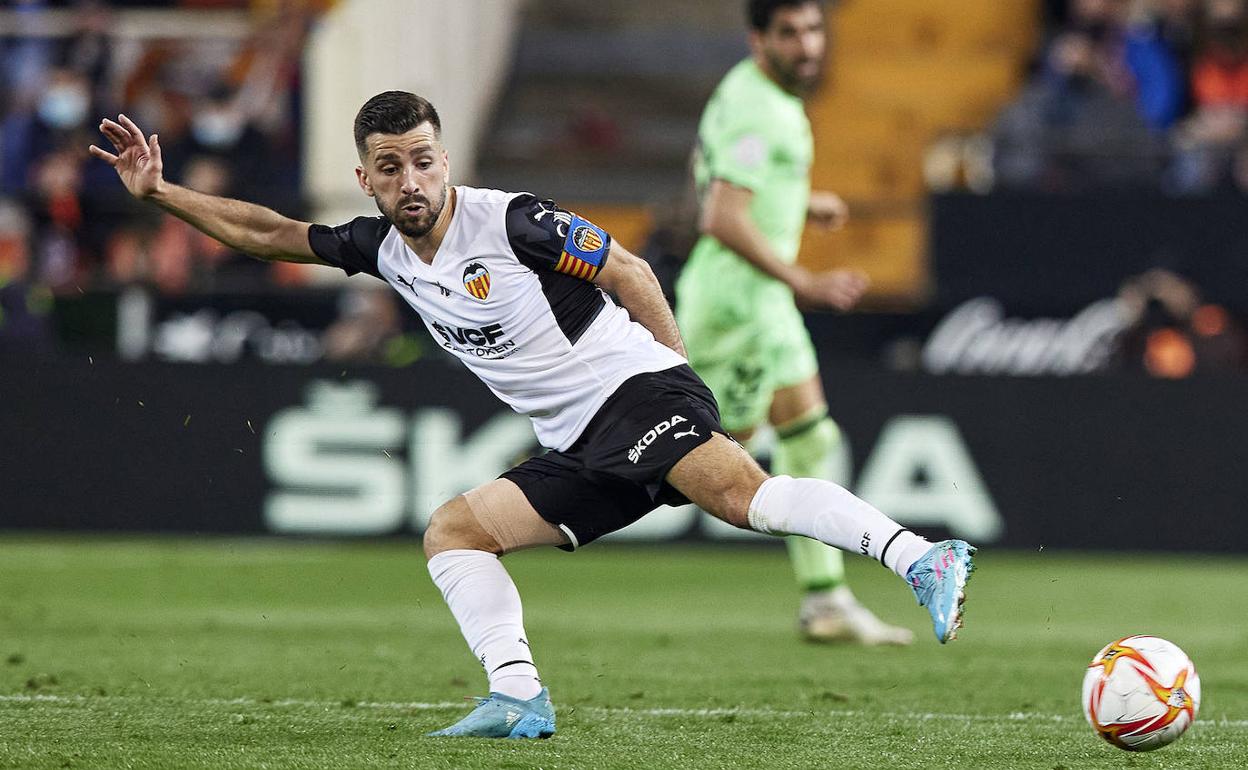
x=226 y=107
x=1147 y=95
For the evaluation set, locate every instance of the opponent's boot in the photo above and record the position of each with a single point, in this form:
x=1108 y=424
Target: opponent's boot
x=837 y=616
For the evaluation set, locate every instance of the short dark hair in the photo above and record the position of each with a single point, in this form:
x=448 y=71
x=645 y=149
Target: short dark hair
x=393 y=112
x=759 y=12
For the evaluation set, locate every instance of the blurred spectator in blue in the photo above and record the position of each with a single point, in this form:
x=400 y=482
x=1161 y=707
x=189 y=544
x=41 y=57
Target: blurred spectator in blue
x=56 y=118
x=55 y=88
x=23 y=61
x=1071 y=128
x=1160 y=41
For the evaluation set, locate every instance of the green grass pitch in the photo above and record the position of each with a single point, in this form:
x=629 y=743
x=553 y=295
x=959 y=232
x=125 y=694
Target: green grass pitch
x=175 y=653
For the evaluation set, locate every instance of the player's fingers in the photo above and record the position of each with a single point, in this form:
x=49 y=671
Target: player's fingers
x=116 y=134
x=107 y=157
x=154 y=144
x=121 y=140
x=113 y=127
x=133 y=131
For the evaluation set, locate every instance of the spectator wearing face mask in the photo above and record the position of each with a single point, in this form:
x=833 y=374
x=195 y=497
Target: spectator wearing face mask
x=41 y=122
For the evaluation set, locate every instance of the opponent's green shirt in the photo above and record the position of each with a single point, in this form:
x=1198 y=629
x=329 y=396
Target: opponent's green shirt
x=756 y=135
x=744 y=334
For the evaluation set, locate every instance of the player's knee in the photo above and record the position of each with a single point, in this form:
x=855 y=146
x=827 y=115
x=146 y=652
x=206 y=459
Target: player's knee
x=452 y=526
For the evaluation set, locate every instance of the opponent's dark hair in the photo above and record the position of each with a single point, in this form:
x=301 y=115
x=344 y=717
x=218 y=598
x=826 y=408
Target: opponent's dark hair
x=760 y=12
x=393 y=112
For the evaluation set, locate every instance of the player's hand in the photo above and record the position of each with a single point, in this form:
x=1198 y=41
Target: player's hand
x=838 y=289
x=827 y=209
x=137 y=161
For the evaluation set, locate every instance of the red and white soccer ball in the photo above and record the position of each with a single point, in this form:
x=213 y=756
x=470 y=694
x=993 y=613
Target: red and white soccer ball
x=1141 y=693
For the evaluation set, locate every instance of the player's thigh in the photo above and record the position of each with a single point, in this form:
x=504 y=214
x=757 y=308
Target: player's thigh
x=735 y=368
x=726 y=339
x=719 y=477
x=741 y=389
x=495 y=517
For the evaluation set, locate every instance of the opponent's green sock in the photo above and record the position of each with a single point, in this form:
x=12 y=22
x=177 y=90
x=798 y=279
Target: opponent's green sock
x=803 y=450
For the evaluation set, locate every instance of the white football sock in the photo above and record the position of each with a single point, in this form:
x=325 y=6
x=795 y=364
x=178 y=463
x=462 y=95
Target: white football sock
x=830 y=513
x=486 y=605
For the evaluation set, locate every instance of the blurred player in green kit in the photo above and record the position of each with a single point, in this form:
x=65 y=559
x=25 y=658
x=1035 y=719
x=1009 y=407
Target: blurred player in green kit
x=736 y=300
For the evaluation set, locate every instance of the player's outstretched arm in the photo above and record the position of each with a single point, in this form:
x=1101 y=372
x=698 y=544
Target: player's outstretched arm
x=631 y=280
x=243 y=226
x=726 y=218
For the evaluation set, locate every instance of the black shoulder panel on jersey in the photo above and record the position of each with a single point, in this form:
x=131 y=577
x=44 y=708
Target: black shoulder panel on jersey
x=352 y=246
x=538 y=233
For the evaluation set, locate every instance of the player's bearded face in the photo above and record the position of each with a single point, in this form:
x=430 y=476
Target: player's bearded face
x=406 y=175
x=415 y=214
x=794 y=47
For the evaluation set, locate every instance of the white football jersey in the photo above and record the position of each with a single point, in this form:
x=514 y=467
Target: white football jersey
x=509 y=294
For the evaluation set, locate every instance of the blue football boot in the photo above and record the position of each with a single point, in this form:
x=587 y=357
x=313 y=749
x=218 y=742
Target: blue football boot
x=939 y=579
x=501 y=716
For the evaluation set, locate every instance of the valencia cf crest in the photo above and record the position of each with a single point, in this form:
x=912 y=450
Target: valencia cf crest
x=586 y=239
x=477 y=280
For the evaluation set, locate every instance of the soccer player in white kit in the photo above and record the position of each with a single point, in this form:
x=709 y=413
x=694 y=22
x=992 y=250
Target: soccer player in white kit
x=520 y=291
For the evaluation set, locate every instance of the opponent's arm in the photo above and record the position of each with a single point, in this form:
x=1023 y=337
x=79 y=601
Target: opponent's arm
x=243 y=226
x=726 y=218
x=827 y=210
x=632 y=281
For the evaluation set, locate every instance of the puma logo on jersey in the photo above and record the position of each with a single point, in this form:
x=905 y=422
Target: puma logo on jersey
x=563 y=220
x=409 y=284
x=652 y=435
x=691 y=432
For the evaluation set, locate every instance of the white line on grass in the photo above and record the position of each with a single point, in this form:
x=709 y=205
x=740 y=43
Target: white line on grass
x=713 y=713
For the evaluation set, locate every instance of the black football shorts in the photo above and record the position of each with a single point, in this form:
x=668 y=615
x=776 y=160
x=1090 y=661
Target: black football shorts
x=614 y=473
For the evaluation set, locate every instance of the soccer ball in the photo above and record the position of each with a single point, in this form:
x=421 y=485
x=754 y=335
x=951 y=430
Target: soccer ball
x=1140 y=693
